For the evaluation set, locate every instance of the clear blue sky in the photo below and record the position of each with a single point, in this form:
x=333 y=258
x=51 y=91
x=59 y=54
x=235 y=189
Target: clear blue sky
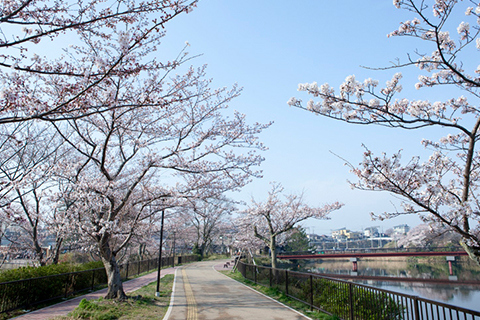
x=268 y=47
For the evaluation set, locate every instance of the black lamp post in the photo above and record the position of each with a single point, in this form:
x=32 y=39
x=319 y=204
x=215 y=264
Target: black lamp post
x=173 y=253
x=160 y=256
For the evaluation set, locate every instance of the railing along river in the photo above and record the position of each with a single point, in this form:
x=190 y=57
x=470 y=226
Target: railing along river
x=351 y=301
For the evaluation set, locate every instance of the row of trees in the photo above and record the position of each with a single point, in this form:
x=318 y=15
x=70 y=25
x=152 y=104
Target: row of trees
x=100 y=136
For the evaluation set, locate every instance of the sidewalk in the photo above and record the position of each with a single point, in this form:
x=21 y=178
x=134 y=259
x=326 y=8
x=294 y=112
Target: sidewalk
x=63 y=308
x=203 y=293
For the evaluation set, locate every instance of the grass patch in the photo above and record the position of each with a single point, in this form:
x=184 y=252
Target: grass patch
x=278 y=295
x=141 y=304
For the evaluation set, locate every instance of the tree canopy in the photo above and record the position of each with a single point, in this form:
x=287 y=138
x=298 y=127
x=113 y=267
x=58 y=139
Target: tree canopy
x=442 y=189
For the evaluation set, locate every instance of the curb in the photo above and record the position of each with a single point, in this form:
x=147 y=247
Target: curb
x=172 y=296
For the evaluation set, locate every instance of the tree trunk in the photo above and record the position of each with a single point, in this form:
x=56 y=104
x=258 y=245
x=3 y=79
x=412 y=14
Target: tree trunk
x=115 y=286
x=273 y=251
x=473 y=252
x=56 y=252
x=39 y=254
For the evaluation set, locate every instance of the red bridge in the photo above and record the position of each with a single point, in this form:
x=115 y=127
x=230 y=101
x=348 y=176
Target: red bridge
x=372 y=255
x=354 y=256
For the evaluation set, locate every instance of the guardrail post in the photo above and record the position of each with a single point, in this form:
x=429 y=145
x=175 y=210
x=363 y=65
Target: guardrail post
x=311 y=293
x=350 y=291
x=416 y=308
x=270 y=277
x=286 y=282
x=255 y=274
x=66 y=286
x=29 y=298
x=93 y=279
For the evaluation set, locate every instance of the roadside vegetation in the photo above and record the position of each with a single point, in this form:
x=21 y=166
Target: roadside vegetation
x=48 y=270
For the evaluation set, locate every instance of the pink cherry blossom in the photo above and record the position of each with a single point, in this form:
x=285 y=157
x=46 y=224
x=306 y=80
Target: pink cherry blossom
x=443 y=189
x=268 y=221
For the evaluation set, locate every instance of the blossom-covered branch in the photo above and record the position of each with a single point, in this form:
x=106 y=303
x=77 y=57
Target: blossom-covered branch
x=443 y=189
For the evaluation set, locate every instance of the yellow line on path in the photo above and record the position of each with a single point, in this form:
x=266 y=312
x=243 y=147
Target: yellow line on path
x=191 y=303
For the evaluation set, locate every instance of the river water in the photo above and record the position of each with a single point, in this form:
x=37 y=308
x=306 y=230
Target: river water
x=466 y=296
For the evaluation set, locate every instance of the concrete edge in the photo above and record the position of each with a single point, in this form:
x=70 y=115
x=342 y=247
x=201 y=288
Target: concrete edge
x=296 y=311
x=172 y=297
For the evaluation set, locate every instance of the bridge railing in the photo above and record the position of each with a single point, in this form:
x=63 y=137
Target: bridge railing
x=351 y=301
x=374 y=250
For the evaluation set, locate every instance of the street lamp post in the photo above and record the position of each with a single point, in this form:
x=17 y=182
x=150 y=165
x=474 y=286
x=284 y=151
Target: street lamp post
x=160 y=256
x=173 y=253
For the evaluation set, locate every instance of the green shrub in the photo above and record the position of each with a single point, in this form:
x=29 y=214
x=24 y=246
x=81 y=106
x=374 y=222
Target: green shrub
x=44 y=284
x=334 y=297
x=53 y=269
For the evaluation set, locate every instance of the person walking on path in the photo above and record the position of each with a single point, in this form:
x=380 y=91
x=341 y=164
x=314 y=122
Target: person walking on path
x=202 y=293
x=63 y=308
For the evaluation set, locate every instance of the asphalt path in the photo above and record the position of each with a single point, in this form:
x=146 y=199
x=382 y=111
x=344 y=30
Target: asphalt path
x=202 y=293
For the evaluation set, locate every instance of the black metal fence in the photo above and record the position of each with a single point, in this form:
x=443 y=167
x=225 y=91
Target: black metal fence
x=351 y=301
x=30 y=292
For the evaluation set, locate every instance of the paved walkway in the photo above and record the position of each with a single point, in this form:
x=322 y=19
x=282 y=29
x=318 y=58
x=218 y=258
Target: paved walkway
x=202 y=293
x=63 y=308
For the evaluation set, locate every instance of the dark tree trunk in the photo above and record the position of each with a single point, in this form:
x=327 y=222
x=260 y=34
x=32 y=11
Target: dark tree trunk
x=115 y=285
x=39 y=254
x=56 y=252
x=273 y=251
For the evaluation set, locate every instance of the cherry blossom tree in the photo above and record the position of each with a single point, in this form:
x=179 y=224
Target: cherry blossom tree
x=444 y=188
x=25 y=172
x=55 y=57
x=12 y=145
x=172 y=140
x=425 y=235
x=185 y=233
x=417 y=237
x=273 y=218
x=208 y=217
x=51 y=62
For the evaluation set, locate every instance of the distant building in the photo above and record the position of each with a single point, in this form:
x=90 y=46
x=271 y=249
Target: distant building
x=370 y=232
x=401 y=229
x=312 y=237
x=340 y=233
x=354 y=235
